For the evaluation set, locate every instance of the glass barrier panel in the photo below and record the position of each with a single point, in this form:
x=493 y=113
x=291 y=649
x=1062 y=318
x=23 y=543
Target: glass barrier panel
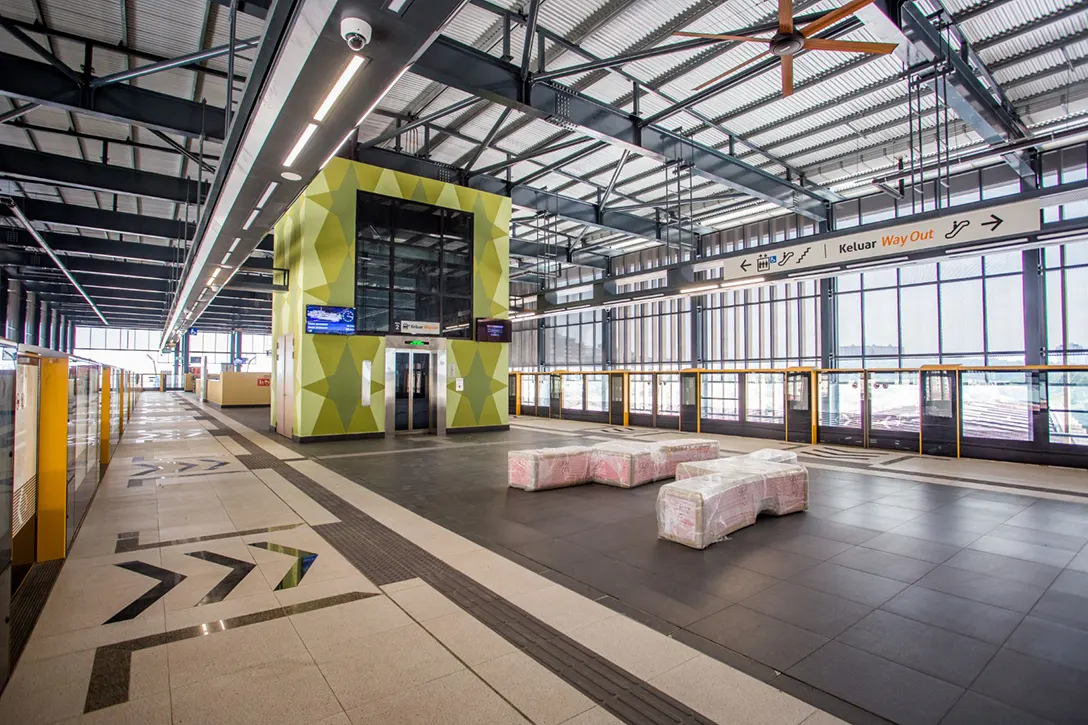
x=573 y=392
x=894 y=402
x=641 y=392
x=668 y=394
x=765 y=397
x=840 y=399
x=528 y=390
x=997 y=405
x=597 y=393
x=1067 y=398
x=544 y=390
x=721 y=396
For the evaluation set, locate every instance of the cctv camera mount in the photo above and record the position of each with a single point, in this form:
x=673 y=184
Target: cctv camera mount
x=356 y=32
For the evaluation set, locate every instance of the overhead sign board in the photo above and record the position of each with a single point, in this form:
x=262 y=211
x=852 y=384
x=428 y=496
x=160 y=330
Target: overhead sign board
x=192 y=330
x=879 y=245
x=416 y=327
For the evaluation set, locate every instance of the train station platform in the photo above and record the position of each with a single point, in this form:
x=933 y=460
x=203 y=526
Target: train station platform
x=226 y=575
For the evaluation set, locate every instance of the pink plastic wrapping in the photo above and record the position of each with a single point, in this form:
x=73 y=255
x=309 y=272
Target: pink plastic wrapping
x=669 y=454
x=534 y=470
x=773 y=454
x=711 y=499
x=623 y=463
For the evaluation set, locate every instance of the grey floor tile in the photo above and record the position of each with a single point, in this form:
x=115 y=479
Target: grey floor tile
x=672 y=601
x=764 y=639
x=898 y=693
x=815 y=611
x=732 y=583
x=1051 y=641
x=949 y=656
x=976 y=709
x=885 y=564
x=1080 y=561
x=1023 y=550
x=1042 y=538
x=938 y=532
x=1004 y=567
x=1006 y=593
x=771 y=562
x=974 y=619
x=1037 y=686
x=857 y=586
x=836 y=532
x=814 y=547
x=931 y=551
x=853 y=517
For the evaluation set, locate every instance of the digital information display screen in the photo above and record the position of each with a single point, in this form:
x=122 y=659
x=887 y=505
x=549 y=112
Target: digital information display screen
x=322 y=320
x=493 y=330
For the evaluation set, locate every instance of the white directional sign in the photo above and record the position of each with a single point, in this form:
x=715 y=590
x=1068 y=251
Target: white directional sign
x=890 y=241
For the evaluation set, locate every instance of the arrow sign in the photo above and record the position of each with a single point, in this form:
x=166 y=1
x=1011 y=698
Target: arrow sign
x=994 y=223
x=745 y=265
x=303 y=561
x=218 y=464
x=167 y=581
x=151 y=468
x=238 y=571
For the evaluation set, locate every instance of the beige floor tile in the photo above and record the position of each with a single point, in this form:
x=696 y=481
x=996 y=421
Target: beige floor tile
x=283 y=692
x=499 y=574
x=822 y=718
x=596 y=716
x=334 y=632
x=203 y=658
x=149 y=673
x=633 y=646
x=406 y=584
x=309 y=589
x=544 y=698
x=35 y=675
x=309 y=510
x=229 y=607
x=339 y=718
x=423 y=603
x=152 y=710
x=386 y=663
x=563 y=609
x=468 y=638
x=39 y=707
x=457 y=699
x=727 y=695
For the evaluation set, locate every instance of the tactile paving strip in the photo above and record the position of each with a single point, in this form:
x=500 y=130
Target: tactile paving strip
x=28 y=603
x=384 y=557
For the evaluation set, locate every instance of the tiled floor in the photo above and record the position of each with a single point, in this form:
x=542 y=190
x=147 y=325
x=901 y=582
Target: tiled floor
x=914 y=597
x=222 y=577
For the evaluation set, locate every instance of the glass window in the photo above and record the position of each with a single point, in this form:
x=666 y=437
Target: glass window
x=765 y=397
x=413 y=261
x=574 y=392
x=597 y=392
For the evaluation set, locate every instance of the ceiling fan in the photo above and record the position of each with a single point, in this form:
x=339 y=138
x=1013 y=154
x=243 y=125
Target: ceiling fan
x=788 y=41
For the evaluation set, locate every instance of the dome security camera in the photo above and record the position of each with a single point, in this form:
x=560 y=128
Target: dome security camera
x=356 y=32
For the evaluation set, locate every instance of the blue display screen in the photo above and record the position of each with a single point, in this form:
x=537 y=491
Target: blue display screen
x=330 y=320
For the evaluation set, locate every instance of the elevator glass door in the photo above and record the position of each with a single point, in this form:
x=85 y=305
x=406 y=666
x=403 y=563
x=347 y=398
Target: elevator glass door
x=412 y=392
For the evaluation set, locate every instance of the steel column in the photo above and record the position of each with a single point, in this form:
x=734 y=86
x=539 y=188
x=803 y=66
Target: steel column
x=30 y=318
x=15 y=319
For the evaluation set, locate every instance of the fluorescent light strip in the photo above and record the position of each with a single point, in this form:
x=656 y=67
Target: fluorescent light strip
x=741 y=282
x=252 y=218
x=303 y=139
x=342 y=82
x=332 y=155
x=878 y=263
x=396 y=5
x=234 y=244
x=697 y=290
x=267 y=193
x=225 y=258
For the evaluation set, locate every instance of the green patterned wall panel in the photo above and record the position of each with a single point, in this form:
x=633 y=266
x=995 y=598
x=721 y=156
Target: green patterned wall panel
x=315 y=241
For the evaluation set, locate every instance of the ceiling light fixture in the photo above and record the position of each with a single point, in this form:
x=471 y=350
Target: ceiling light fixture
x=342 y=82
x=381 y=97
x=396 y=6
x=267 y=193
x=741 y=282
x=252 y=218
x=303 y=139
x=290 y=176
x=234 y=244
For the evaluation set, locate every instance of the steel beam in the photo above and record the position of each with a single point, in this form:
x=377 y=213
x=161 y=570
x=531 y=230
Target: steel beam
x=43 y=84
x=984 y=109
x=68 y=243
x=68 y=171
x=529 y=197
x=85 y=217
x=476 y=72
x=178 y=62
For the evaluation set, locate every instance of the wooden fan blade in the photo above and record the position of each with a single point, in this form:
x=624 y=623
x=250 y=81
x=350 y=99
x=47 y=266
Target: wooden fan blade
x=787 y=75
x=714 y=36
x=833 y=17
x=735 y=68
x=849 y=46
x=785 y=16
